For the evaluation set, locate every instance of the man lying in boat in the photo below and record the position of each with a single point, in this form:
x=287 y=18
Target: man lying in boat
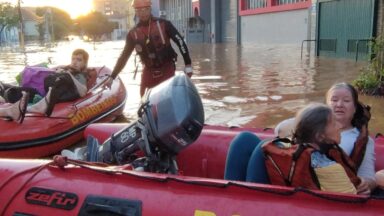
x=67 y=84
x=63 y=84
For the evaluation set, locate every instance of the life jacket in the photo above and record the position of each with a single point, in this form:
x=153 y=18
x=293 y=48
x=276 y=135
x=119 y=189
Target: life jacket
x=91 y=77
x=360 y=145
x=291 y=165
x=361 y=123
x=152 y=43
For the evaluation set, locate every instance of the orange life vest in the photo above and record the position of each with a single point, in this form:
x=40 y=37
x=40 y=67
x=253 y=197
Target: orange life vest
x=291 y=166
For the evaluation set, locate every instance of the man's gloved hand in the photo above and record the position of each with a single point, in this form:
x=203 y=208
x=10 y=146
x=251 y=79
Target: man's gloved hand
x=188 y=70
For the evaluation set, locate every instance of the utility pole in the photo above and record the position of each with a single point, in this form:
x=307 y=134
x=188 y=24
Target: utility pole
x=21 y=26
x=52 y=29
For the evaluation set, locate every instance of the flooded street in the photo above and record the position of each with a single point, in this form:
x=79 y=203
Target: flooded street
x=245 y=85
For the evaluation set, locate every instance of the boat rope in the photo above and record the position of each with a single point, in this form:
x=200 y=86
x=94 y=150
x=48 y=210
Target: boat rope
x=61 y=162
x=358 y=199
x=36 y=170
x=58 y=160
x=354 y=200
x=100 y=167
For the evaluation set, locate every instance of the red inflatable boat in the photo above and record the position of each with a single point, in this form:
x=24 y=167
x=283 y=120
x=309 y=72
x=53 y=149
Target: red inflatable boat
x=40 y=136
x=37 y=187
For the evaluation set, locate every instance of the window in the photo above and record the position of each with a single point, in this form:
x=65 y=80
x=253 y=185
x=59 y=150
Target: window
x=328 y=45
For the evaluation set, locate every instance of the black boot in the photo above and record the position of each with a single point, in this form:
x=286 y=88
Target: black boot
x=13 y=94
x=2 y=89
x=51 y=101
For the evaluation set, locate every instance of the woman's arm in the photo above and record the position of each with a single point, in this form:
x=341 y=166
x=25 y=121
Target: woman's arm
x=366 y=186
x=366 y=170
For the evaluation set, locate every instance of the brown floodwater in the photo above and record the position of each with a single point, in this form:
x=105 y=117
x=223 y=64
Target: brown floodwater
x=248 y=85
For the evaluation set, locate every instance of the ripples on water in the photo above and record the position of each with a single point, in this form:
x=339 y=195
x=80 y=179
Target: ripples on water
x=245 y=85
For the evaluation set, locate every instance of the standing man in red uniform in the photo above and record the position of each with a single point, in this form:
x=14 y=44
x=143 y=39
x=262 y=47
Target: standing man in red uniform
x=151 y=40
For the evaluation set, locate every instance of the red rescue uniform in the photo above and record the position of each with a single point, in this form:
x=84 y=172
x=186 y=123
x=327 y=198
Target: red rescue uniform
x=151 y=40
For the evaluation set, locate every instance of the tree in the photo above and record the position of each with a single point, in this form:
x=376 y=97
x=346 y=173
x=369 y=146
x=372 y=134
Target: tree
x=95 y=25
x=62 y=22
x=8 y=17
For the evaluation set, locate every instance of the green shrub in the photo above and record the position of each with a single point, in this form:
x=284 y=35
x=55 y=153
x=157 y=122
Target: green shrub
x=370 y=80
x=367 y=82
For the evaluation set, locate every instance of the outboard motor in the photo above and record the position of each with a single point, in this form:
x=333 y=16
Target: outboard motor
x=170 y=119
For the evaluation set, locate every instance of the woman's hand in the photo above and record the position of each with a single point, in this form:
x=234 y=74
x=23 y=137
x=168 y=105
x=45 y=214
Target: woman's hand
x=366 y=186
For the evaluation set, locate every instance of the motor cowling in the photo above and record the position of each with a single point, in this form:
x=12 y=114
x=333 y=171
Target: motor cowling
x=173 y=114
x=170 y=119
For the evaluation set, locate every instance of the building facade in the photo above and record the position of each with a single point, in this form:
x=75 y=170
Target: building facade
x=333 y=28
x=119 y=12
x=9 y=36
x=241 y=21
x=30 y=23
x=345 y=28
x=111 y=7
x=178 y=12
x=274 y=21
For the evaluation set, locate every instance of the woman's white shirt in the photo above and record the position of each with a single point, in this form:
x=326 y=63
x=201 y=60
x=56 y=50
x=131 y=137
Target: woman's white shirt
x=367 y=167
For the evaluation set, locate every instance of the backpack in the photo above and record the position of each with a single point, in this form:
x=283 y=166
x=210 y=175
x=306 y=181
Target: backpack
x=33 y=77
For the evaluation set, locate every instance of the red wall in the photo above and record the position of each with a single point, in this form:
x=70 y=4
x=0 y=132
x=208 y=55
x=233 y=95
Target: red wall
x=272 y=7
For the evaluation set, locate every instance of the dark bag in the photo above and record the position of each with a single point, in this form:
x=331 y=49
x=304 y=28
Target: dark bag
x=63 y=88
x=12 y=93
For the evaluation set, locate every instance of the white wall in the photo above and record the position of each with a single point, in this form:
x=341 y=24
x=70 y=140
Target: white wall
x=30 y=28
x=120 y=33
x=281 y=27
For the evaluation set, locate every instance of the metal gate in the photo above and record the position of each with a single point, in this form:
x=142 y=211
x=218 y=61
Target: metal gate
x=345 y=28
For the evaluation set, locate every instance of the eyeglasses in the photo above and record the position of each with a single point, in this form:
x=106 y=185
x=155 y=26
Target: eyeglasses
x=142 y=10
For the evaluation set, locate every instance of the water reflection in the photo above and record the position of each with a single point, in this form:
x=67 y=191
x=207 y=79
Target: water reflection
x=245 y=85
